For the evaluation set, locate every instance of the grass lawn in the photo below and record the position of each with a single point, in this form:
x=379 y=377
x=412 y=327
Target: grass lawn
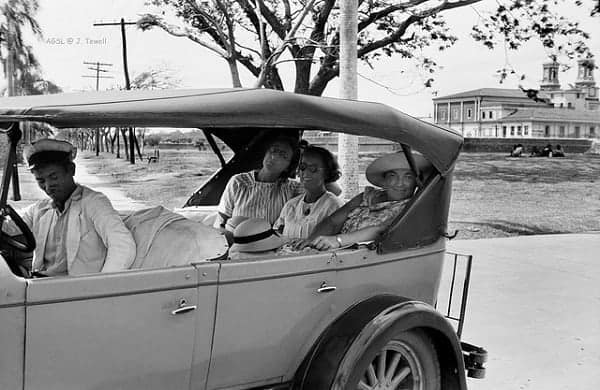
x=493 y=195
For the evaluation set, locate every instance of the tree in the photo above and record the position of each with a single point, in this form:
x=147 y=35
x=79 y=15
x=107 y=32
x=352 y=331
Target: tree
x=250 y=33
x=153 y=140
x=20 y=65
x=155 y=79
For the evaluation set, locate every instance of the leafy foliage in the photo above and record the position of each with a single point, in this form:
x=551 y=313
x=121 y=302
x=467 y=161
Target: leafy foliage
x=248 y=32
x=27 y=75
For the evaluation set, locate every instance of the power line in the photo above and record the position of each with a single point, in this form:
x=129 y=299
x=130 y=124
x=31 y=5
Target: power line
x=97 y=69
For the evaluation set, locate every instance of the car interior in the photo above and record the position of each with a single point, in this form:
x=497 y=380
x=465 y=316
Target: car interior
x=183 y=235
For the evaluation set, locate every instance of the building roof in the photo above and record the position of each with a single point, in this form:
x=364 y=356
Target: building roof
x=487 y=92
x=553 y=114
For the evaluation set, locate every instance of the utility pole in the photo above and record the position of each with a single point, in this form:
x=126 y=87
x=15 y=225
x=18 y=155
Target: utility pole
x=123 y=23
x=348 y=144
x=98 y=70
x=10 y=80
x=98 y=77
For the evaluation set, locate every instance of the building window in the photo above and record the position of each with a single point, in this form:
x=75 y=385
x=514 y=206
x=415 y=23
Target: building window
x=442 y=115
x=561 y=131
x=512 y=130
x=525 y=130
x=577 y=132
x=504 y=131
x=577 y=96
x=455 y=113
x=490 y=115
x=547 y=131
x=518 y=130
x=569 y=105
x=469 y=113
x=592 y=131
x=482 y=114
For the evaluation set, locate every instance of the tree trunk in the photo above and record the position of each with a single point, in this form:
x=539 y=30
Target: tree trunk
x=125 y=143
x=303 y=69
x=348 y=144
x=235 y=74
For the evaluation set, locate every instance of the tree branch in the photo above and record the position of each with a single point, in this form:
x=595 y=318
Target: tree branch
x=396 y=36
x=148 y=21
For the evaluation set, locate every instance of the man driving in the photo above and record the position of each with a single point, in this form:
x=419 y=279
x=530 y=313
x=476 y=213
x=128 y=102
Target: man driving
x=77 y=230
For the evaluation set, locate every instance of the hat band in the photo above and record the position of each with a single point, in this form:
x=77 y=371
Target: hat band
x=254 y=237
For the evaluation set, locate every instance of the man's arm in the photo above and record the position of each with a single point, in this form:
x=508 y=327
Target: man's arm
x=362 y=235
x=333 y=224
x=120 y=246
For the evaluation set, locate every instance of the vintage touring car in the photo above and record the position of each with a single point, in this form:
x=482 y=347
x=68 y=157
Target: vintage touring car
x=356 y=318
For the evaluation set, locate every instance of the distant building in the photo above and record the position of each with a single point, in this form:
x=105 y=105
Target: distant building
x=514 y=113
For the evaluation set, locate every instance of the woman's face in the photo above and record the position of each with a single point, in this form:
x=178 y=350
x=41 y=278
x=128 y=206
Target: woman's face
x=400 y=183
x=278 y=157
x=311 y=171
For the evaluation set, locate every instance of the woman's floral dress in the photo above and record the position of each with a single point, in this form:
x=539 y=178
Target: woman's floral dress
x=369 y=213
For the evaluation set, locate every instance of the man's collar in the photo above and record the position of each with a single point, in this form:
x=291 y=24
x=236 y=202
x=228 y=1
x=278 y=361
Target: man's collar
x=76 y=195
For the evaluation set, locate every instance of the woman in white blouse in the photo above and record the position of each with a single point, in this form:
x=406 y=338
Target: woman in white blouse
x=262 y=193
x=301 y=214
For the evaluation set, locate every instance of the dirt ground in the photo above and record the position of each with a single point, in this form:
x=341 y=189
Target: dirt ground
x=493 y=195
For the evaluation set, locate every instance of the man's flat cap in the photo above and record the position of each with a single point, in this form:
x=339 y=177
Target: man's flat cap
x=48 y=151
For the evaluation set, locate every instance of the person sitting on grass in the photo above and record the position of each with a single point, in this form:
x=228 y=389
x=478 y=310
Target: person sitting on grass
x=535 y=152
x=368 y=214
x=547 y=151
x=558 y=152
x=517 y=150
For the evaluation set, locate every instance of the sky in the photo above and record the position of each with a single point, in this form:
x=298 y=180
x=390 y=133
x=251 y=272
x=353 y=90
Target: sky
x=70 y=39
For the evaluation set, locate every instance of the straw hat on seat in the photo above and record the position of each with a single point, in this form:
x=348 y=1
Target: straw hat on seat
x=255 y=235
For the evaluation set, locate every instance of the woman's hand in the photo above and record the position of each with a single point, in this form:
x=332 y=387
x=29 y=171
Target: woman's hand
x=298 y=244
x=324 y=243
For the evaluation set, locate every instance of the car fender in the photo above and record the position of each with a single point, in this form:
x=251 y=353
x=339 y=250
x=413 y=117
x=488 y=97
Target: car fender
x=366 y=320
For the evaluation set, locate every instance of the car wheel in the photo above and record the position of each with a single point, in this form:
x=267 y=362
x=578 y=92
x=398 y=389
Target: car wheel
x=406 y=360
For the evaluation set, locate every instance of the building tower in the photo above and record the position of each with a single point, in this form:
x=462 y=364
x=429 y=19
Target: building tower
x=550 y=77
x=585 y=75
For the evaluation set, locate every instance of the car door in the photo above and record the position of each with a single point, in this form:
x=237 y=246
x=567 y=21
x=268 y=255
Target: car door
x=269 y=314
x=127 y=330
x=12 y=328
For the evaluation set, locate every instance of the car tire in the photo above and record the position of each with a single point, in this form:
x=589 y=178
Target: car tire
x=394 y=360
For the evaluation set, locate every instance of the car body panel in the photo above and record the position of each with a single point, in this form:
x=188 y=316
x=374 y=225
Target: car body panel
x=411 y=273
x=119 y=324
x=268 y=310
x=12 y=328
x=362 y=274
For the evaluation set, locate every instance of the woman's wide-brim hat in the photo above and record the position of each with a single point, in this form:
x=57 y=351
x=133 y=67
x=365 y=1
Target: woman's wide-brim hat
x=390 y=162
x=255 y=235
x=48 y=151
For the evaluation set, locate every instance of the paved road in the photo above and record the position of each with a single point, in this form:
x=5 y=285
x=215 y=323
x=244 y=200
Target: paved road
x=534 y=304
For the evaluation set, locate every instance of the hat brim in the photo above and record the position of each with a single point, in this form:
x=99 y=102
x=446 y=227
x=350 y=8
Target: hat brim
x=47 y=158
x=274 y=241
x=390 y=162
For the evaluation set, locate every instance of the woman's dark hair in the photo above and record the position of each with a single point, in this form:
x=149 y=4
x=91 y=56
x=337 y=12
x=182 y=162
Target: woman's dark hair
x=332 y=168
x=293 y=143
